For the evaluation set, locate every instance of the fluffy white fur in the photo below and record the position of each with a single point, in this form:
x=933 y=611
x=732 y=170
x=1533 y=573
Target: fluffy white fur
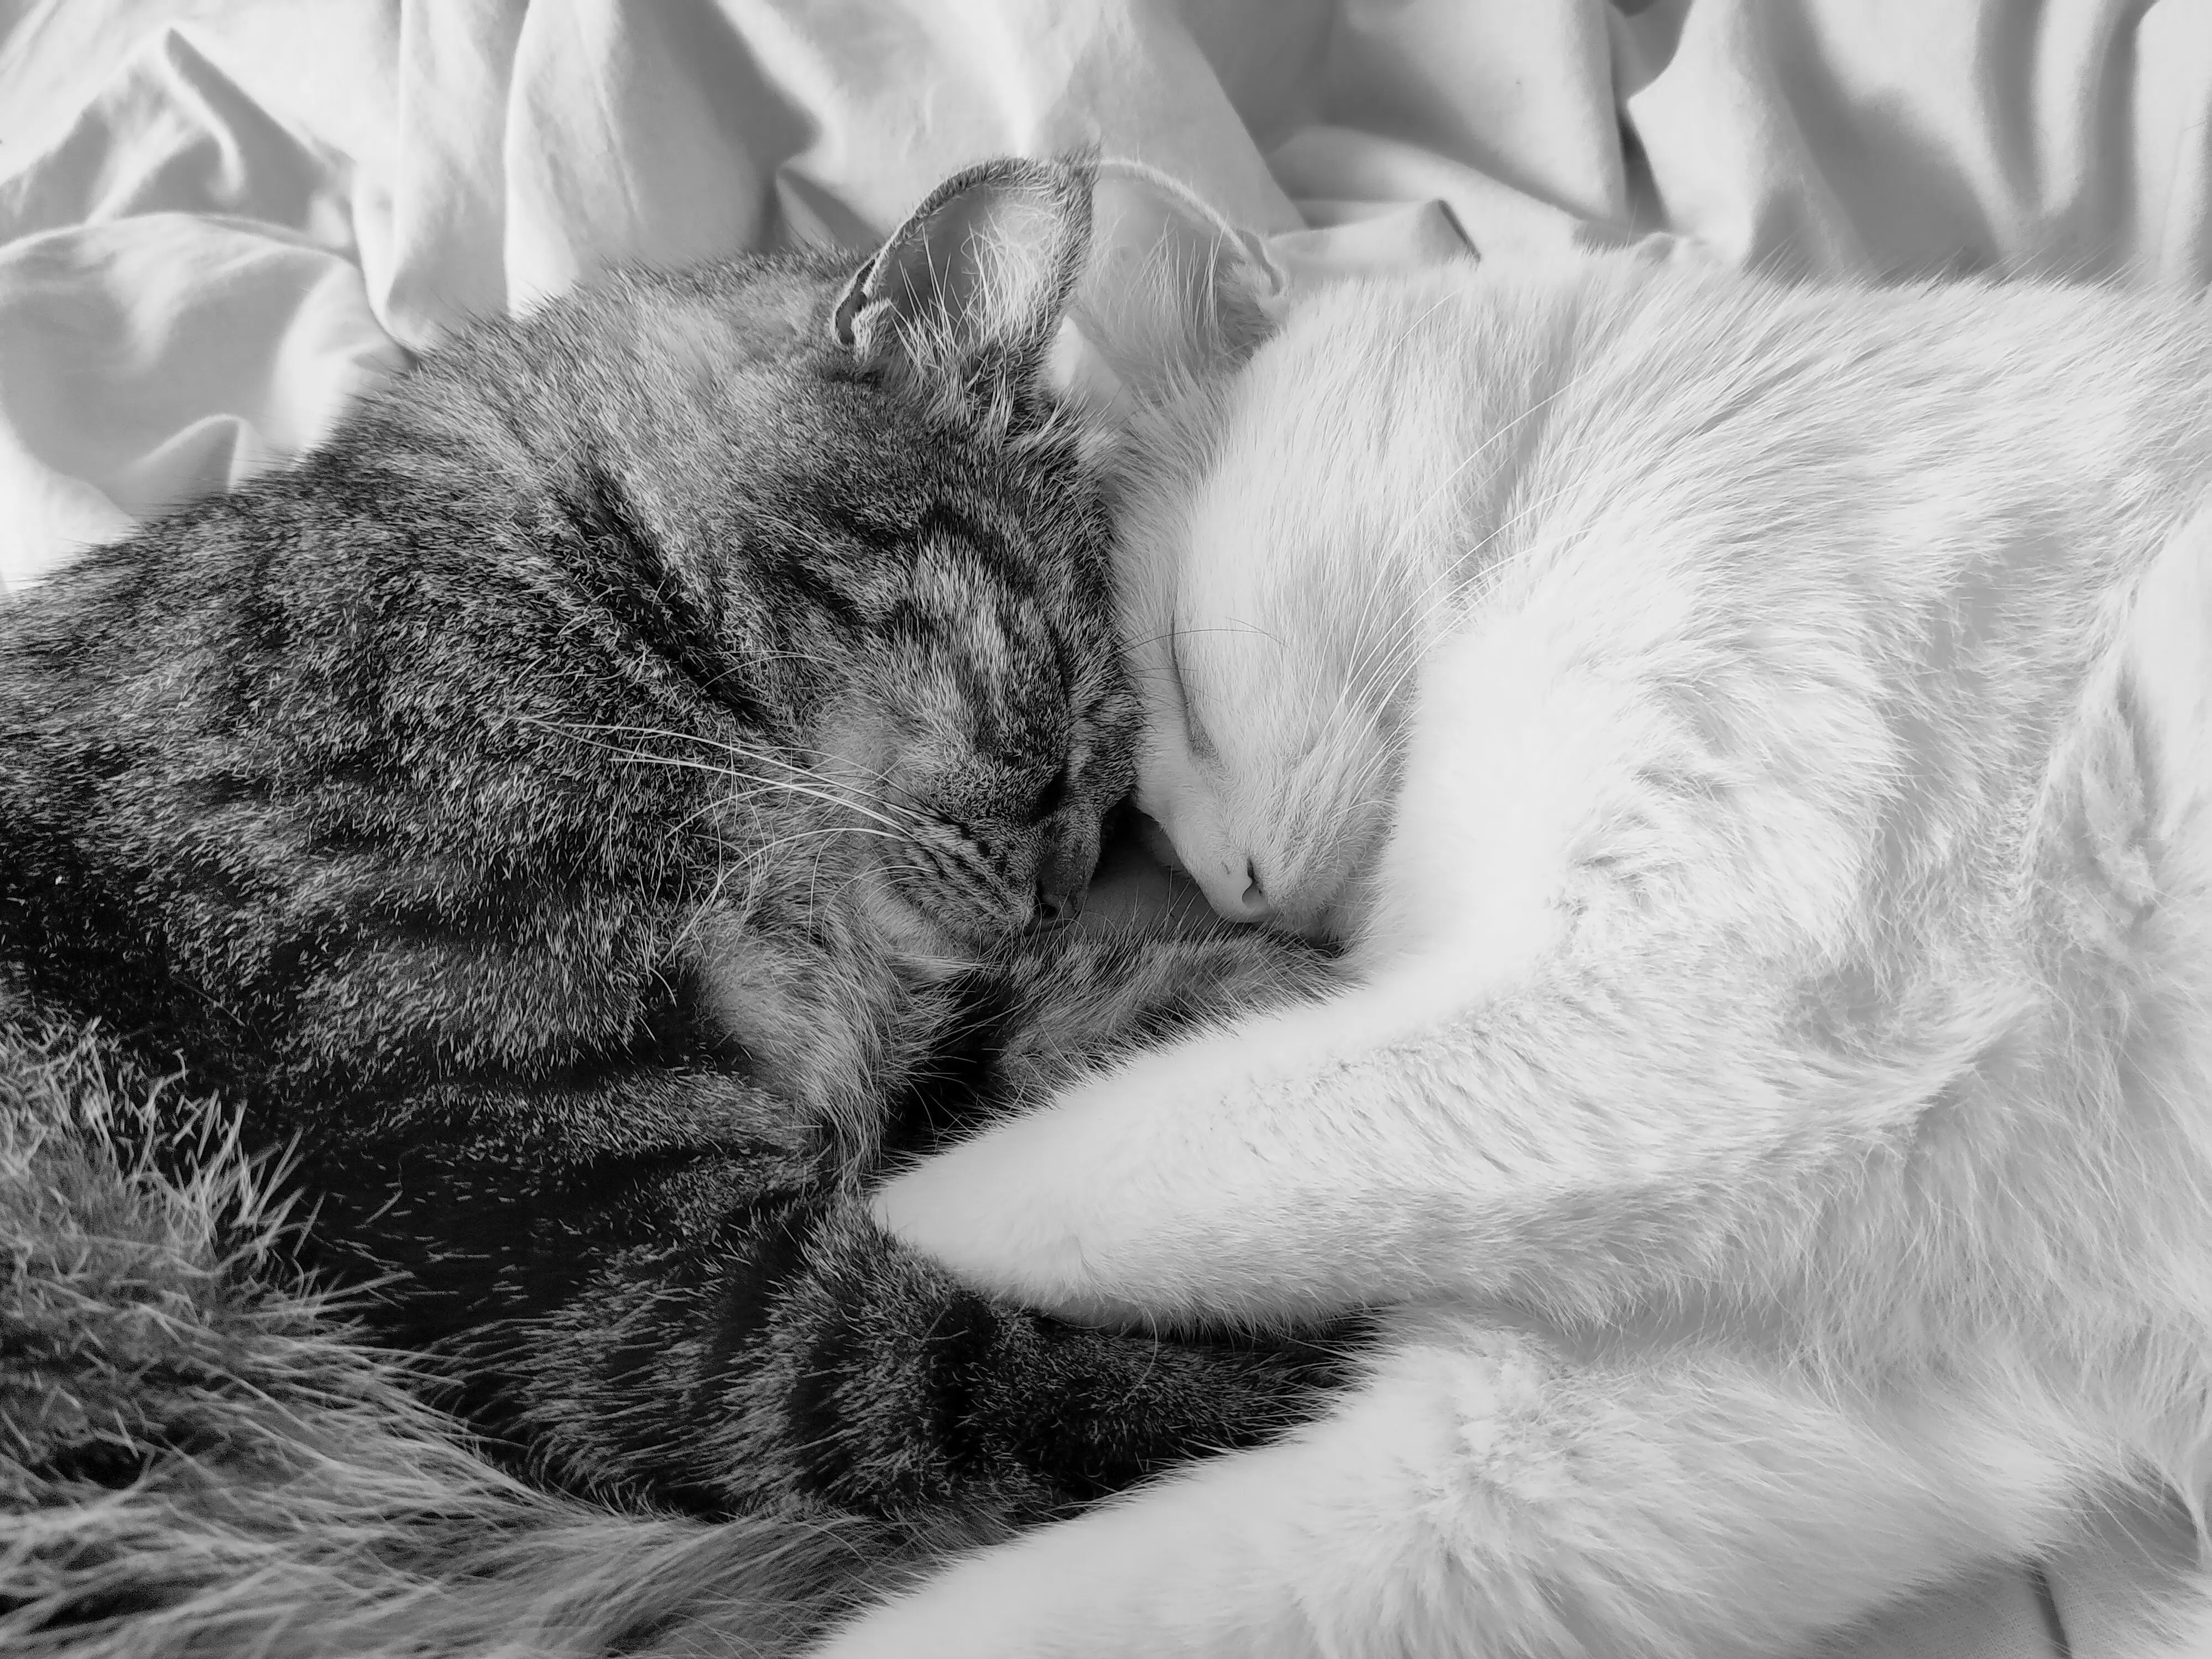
x=1756 y=742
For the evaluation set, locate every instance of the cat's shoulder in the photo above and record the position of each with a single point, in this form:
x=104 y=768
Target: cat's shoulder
x=1980 y=327
x=1626 y=300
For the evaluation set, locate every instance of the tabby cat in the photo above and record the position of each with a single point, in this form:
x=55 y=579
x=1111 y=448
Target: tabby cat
x=1755 y=742
x=596 y=808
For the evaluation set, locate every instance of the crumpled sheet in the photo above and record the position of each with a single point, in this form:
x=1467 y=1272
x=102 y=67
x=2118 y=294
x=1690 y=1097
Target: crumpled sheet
x=219 y=222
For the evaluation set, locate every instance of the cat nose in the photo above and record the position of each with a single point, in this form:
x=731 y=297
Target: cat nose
x=1251 y=904
x=1061 y=879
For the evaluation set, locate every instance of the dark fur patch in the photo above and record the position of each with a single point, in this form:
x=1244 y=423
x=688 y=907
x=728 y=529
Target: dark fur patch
x=405 y=798
x=624 y=565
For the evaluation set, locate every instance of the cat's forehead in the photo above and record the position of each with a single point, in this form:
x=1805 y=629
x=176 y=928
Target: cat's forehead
x=1296 y=519
x=983 y=611
x=755 y=313
x=1355 y=371
x=983 y=664
x=1353 y=390
x=1335 y=428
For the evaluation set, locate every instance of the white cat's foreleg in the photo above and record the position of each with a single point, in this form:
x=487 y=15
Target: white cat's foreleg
x=1577 y=1066
x=1479 y=1498
x=1578 y=1146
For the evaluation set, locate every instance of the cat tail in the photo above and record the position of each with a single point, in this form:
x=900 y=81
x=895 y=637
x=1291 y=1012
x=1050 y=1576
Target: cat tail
x=197 y=1457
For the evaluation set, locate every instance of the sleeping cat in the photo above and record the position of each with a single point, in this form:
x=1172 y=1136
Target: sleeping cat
x=599 y=805
x=1755 y=744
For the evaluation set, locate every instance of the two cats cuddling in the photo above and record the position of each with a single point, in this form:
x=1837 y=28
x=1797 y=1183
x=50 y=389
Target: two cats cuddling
x=1713 y=1130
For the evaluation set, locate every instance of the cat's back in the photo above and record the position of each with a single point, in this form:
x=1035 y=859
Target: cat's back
x=1692 y=440
x=1871 y=409
x=1719 y=402
x=1667 y=456
x=357 y=680
x=477 y=522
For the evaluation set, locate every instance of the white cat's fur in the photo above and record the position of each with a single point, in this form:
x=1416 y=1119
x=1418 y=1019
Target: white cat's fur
x=1757 y=745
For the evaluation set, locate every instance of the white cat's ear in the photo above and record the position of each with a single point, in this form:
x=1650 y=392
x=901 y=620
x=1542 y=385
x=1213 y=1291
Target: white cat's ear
x=1175 y=293
x=969 y=293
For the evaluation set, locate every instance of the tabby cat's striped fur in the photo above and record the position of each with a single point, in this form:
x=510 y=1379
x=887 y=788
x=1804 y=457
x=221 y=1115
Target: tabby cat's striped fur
x=597 y=807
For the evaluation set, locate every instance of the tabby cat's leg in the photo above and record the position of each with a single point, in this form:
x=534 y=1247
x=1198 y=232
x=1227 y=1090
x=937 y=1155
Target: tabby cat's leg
x=652 y=1270
x=1481 y=1498
x=719 y=1326
x=848 y=1370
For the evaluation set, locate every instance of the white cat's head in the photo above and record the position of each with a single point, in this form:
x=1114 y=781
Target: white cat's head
x=1277 y=577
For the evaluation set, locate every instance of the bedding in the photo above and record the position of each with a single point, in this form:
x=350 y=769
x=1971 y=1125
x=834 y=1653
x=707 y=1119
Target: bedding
x=219 y=222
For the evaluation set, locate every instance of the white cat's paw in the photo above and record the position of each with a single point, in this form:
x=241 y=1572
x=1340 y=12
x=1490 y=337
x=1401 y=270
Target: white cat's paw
x=997 y=1213
x=1059 y=1593
x=898 y=1631
x=968 y=1613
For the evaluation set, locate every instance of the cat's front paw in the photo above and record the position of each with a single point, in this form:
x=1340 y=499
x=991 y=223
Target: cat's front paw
x=994 y=1211
x=1132 y=1200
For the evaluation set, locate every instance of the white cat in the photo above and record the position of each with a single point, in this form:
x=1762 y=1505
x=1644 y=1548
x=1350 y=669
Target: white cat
x=1756 y=744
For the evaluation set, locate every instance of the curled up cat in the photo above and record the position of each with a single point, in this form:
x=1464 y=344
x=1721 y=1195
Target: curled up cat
x=586 y=815
x=1755 y=745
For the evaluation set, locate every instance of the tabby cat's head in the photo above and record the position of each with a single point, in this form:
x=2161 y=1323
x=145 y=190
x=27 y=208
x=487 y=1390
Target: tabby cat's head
x=843 y=512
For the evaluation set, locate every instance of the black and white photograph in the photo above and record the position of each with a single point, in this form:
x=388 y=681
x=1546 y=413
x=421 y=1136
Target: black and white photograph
x=1105 y=830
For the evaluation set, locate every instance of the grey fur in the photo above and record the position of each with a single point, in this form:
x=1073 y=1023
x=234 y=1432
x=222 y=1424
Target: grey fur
x=596 y=811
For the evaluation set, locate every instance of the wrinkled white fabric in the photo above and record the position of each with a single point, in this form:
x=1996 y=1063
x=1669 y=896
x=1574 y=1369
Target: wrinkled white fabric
x=356 y=176
x=219 y=221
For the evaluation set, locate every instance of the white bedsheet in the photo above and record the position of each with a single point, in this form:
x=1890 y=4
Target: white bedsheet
x=219 y=221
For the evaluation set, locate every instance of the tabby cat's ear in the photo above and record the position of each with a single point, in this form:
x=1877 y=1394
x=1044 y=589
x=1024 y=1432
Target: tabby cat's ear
x=968 y=293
